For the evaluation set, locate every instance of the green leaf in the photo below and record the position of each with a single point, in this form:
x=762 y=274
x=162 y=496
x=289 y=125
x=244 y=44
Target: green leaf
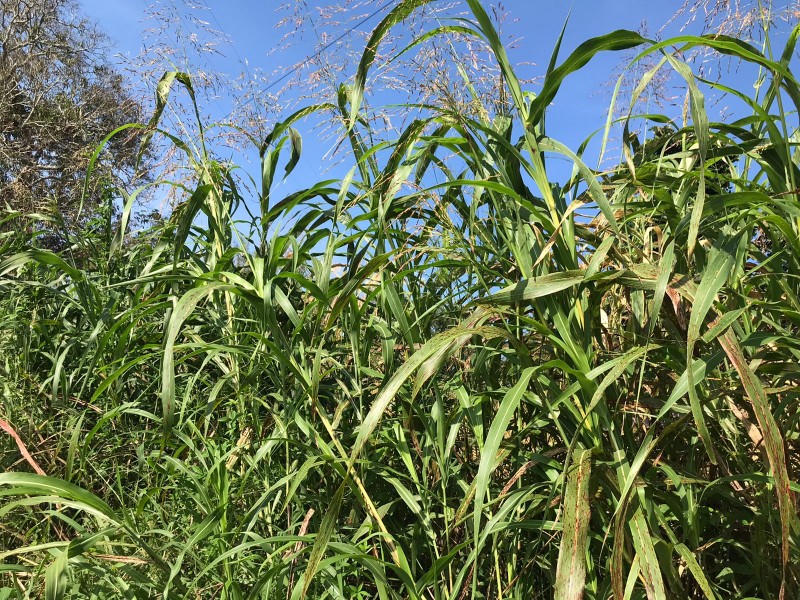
x=297 y=149
x=449 y=340
x=326 y=529
x=183 y=309
x=617 y=40
x=395 y=16
x=696 y=570
x=648 y=561
x=714 y=276
x=571 y=569
x=773 y=443
x=55 y=578
x=538 y=287
x=32 y=483
x=491 y=445
x=701 y=127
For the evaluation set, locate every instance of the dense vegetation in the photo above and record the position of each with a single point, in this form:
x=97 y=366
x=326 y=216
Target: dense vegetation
x=60 y=94
x=427 y=379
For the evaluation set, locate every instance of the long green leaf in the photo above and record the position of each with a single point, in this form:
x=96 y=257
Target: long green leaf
x=571 y=569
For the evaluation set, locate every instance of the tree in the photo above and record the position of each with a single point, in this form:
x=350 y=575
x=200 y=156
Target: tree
x=59 y=97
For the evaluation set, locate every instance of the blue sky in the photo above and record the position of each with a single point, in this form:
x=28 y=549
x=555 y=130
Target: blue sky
x=250 y=25
x=579 y=108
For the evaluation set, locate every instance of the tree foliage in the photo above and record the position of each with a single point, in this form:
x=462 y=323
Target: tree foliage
x=59 y=96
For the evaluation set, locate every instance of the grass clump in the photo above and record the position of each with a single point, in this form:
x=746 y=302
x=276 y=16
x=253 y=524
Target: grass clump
x=428 y=379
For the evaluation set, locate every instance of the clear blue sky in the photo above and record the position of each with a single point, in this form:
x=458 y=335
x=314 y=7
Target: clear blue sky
x=578 y=110
x=251 y=27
